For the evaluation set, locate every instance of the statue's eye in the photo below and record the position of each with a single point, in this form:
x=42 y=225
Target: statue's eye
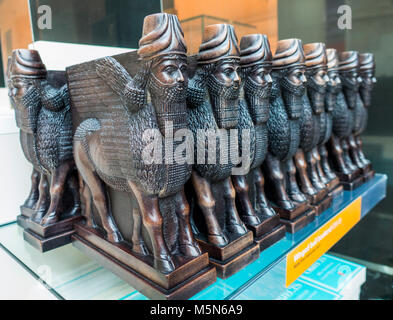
x=228 y=71
x=183 y=68
x=170 y=69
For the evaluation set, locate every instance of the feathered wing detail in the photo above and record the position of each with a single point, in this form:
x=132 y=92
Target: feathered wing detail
x=283 y=138
x=201 y=119
x=342 y=117
x=245 y=123
x=310 y=126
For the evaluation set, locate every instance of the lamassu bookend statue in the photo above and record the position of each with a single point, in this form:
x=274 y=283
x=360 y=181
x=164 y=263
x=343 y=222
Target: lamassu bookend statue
x=213 y=104
x=43 y=115
x=253 y=206
x=137 y=216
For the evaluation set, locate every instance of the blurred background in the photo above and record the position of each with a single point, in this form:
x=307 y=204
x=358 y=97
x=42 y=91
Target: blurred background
x=118 y=23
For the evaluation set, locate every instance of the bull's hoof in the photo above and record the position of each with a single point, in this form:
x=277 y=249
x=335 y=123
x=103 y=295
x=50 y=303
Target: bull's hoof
x=236 y=228
x=251 y=220
x=164 y=264
x=219 y=240
x=267 y=211
x=298 y=197
x=286 y=205
x=140 y=248
x=114 y=237
x=49 y=219
x=190 y=250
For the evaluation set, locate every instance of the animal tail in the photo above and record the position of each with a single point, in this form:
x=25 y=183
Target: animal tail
x=87 y=126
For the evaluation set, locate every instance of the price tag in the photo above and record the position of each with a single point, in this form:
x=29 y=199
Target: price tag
x=312 y=248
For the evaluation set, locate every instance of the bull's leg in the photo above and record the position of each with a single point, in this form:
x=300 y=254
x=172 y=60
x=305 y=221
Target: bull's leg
x=187 y=244
x=247 y=212
x=34 y=192
x=347 y=158
x=73 y=187
x=87 y=199
x=138 y=245
x=98 y=191
x=354 y=152
x=325 y=163
x=321 y=174
x=153 y=222
x=58 y=178
x=261 y=201
x=362 y=157
x=312 y=171
x=292 y=187
x=301 y=166
x=233 y=222
x=207 y=204
x=42 y=203
x=337 y=155
x=279 y=194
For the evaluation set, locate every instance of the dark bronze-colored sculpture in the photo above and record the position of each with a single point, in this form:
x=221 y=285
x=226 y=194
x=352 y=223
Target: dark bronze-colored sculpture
x=43 y=115
x=367 y=76
x=137 y=215
x=213 y=104
x=333 y=86
x=344 y=121
x=252 y=204
x=310 y=130
x=284 y=123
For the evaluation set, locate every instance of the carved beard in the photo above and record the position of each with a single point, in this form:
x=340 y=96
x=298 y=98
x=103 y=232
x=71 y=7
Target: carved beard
x=316 y=94
x=292 y=96
x=350 y=91
x=169 y=102
x=225 y=103
x=27 y=109
x=365 y=93
x=257 y=98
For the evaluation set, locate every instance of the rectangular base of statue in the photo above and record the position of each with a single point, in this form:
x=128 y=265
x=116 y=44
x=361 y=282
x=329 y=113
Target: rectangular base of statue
x=234 y=256
x=229 y=267
x=270 y=238
x=45 y=238
x=368 y=176
x=317 y=198
x=300 y=222
x=349 y=186
x=21 y=221
x=366 y=169
x=322 y=205
x=349 y=177
x=25 y=214
x=265 y=226
x=290 y=215
x=337 y=191
x=189 y=277
x=335 y=188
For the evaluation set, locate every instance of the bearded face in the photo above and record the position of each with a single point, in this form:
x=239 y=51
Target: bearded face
x=366 y=86
x=167 y=85
x=350 y=83
x=224 y=87
x=25 y=106
x=333 y=87
x=257 y=87
x=293 y=84
x=316 y=88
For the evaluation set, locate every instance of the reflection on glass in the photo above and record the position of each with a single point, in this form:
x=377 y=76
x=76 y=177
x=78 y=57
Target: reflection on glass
x=115 y=23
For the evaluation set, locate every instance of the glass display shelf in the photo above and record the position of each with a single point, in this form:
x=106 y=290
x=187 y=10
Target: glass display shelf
x=69 y=274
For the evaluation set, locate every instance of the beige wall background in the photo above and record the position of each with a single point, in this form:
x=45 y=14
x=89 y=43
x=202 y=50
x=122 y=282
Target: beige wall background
x=15 y=29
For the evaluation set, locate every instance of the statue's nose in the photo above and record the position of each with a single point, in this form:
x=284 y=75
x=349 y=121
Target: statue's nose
x=179 y=77
x=303 y=78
